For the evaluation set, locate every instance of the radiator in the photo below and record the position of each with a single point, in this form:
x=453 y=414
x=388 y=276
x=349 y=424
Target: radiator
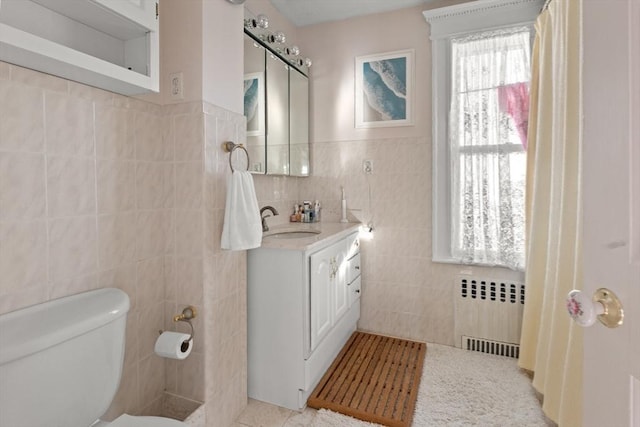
x=488 y=316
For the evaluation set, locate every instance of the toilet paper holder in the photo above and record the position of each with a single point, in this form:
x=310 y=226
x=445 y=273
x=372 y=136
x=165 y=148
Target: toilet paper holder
x=187 y=314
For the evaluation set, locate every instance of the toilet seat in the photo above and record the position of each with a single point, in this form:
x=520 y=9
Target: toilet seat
x=125 y=420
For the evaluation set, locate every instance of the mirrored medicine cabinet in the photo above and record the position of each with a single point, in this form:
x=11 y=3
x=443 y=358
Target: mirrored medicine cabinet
x=276 y=104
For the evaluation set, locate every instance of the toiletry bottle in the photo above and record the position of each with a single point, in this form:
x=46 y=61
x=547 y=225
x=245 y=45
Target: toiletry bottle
x=343 y=206
x=316 y=210
x=307 y=211
x=293 y=217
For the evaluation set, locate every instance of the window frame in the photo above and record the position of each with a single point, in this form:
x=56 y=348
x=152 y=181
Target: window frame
x=447 y=23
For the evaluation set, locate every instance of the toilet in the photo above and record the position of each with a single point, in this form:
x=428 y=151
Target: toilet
x=61 y=362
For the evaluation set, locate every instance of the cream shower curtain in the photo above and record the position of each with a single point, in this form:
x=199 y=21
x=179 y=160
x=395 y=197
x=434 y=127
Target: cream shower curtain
x=551 y=345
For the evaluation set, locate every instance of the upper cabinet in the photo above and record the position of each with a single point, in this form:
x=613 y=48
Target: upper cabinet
x=110 y=44
x=276 y=101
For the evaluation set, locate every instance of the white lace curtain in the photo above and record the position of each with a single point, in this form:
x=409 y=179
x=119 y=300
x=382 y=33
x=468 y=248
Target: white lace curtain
x=487 y=128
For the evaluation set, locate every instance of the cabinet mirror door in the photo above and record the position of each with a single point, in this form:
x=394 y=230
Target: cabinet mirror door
x=254 y=103
x=299 y=127
x=277 y=116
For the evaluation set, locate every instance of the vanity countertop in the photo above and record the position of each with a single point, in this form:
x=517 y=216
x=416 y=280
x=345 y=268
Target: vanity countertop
x=328 y=232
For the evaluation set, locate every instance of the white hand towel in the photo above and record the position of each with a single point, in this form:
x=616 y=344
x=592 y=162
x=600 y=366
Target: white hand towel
x=242 y=227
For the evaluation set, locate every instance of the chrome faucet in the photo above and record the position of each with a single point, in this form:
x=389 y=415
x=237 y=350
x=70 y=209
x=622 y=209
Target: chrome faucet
x=273 y=210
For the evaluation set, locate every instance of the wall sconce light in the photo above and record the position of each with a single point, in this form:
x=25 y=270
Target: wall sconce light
x=306 y=62
x=260 y=21
x=277 y=37
x=366 y=232
x=257 y=25
x=293 y=50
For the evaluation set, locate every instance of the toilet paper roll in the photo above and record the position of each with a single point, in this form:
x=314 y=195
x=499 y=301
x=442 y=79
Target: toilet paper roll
x=174 y=345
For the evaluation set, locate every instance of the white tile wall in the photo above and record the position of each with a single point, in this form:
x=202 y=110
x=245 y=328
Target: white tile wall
x=102 y=190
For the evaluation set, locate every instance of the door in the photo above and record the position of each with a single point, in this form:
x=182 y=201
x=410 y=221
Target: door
x=277 y=98
x=341 y=294
x=254 y=102
x=322 y=279
x=298 y=123
x=611 y=178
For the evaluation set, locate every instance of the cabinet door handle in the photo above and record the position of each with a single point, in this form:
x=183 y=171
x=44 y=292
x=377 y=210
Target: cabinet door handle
x=334 y=268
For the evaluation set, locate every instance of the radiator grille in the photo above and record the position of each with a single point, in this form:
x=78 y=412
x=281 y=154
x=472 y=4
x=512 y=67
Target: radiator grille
x=493 y=291
x=491 y=347
x=488 y=315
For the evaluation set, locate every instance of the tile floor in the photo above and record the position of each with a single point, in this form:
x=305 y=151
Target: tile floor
x=260 y=414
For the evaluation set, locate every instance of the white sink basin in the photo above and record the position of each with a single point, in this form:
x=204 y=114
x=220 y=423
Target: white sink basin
x=292 y=234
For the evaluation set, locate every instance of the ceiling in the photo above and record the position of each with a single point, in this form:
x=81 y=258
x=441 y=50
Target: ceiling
x=308 y=12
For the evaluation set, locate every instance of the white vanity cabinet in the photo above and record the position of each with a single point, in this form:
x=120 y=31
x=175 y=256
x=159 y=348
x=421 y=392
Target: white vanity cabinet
x=301 y=312
x=110 y=44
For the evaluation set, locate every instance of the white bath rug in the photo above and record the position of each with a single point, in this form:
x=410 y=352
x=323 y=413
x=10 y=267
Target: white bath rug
x=326 y=418
x=463 y=388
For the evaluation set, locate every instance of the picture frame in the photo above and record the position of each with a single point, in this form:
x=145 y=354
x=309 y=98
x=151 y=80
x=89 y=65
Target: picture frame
x=254 y=107
x=384 y=89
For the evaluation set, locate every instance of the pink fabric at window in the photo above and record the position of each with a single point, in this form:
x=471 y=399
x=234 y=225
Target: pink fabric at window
x=514 y=100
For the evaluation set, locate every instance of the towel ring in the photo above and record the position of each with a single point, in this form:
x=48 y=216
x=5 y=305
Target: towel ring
x=230 y=147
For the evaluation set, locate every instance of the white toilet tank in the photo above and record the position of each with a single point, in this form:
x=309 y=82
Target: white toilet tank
x=60 y=361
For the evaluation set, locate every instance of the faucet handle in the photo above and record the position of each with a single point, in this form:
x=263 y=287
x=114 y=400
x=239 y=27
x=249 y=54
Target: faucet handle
x=269 y=208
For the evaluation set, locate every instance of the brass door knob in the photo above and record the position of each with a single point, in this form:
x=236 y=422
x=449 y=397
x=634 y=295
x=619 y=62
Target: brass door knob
x=603 y=306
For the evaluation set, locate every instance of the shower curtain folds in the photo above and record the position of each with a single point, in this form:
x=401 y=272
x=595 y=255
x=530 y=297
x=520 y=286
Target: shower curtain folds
x=551 y=346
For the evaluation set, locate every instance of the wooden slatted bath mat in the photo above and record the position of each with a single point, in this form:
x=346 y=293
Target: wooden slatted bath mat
x=374 y=378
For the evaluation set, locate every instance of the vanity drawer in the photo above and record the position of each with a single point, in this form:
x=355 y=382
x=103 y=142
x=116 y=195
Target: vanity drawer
x=355 y=291
x=353 y=268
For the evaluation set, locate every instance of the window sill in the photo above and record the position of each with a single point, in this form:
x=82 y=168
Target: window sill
x=449 y=260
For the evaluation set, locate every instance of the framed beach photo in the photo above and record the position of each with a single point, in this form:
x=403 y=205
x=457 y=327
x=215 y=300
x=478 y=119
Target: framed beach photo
x=384 y=89
x=254 y=103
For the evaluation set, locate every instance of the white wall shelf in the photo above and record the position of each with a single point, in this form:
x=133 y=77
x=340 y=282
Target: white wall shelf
x=108 y=44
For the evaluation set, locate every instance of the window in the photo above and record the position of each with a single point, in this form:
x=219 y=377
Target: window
x=487 y=136
x=481 y=63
